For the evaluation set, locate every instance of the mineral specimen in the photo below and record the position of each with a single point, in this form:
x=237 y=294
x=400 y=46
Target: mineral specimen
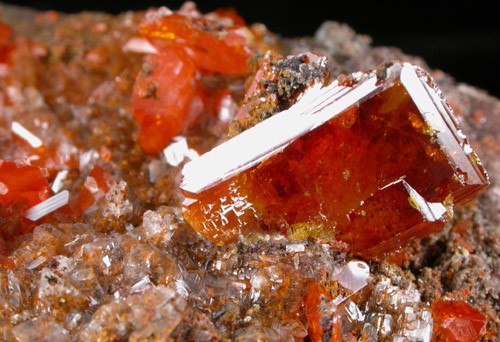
x=374 y=161
x=96 y=185
x=129 y=267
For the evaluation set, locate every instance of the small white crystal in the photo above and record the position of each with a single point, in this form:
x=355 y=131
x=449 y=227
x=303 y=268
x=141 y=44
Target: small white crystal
x=178 y=150
x=46 y=207
x=106 y=261
x=37 y=262
x=58 y=181
x=141 y=285
x=353 y=276
x=228 y=109
x=26 y=135
x=3 y=188
x=139 y=45
x=295 y=248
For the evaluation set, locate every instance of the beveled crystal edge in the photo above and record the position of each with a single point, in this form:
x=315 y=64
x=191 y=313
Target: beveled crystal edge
x=439 y=116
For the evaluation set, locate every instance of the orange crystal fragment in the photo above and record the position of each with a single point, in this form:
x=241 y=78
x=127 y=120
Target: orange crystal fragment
x=316 y=300
x=5 y=44
x=457 y=321
x=400 y=215
x=306 y=171
x=22 y=186
x=186 y=46
x=22 y=183
x=162 y=99
x=96 y=185
x=212 y=47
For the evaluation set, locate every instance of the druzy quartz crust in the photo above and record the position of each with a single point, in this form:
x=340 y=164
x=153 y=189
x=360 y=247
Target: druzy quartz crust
x=329 y=203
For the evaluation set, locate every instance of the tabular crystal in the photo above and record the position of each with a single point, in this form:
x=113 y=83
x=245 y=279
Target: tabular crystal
x=379 y=145
x=457 y=321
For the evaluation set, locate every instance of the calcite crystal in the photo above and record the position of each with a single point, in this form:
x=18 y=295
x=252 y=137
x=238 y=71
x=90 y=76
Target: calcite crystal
x=373 y=160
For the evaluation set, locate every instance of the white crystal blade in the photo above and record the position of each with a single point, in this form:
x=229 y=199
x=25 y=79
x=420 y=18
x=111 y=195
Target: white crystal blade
x=46 y=207
x=26 y=135
x=315 y=107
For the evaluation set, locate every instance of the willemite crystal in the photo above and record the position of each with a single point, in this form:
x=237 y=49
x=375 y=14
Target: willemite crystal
x=374 y=160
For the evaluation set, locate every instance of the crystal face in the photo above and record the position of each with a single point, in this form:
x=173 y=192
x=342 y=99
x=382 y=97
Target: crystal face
x=457 y=321
x=317 y=168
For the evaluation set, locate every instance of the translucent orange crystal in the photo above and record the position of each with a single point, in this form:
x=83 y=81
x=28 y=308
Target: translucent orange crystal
x=96 y=185
x=5 y=44
x=316 y=298
x=20 y=182
x=327 y=167
x=213 y=47
x=22 y=186
x=457 y=321
x=186 y=46
x=162 y=98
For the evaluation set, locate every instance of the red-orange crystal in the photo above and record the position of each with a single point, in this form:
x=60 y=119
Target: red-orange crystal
x=186 y=45
x=457 y=321
x=5 y=44
x=162 y=99
x=316 y=298
x=22 y=186
x=96 y=185
x=399 y=213
x=317 y=168
x=213 y=47
x=22 y=183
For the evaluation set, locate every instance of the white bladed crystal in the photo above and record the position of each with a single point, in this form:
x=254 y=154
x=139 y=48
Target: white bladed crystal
x=26 y=135
x=46 y=207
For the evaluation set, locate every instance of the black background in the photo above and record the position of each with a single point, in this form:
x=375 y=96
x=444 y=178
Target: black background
x=462 y=40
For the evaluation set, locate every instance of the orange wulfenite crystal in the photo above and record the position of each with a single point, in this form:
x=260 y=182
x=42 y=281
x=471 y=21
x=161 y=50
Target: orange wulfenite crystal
x=457 y=321
x=316 y=169
x=212 y=47
x=22 y=183
x=186 y=46
x=316 y=297
x=162 y=98
x=21 y=187
x=96 y=185
x=5 y=44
